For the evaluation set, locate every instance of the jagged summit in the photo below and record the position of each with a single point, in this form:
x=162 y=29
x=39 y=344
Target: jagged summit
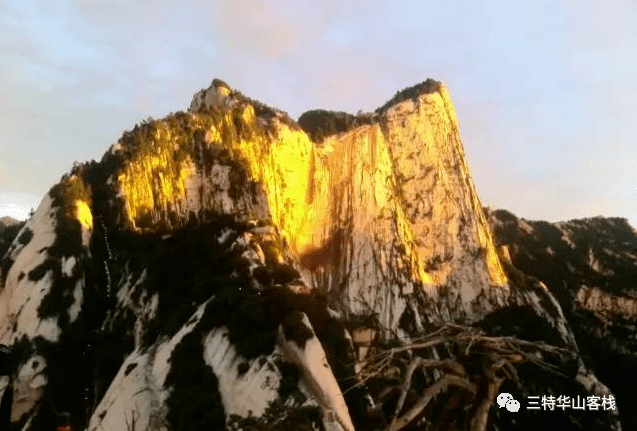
x=321 y=123
x=218 y=83
x=317 y=123
x=220 y=93
x=414 y=93
x=225 y=268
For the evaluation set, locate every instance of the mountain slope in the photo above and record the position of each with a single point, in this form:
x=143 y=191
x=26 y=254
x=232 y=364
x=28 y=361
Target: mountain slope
x=590 y=266
x=227 y=266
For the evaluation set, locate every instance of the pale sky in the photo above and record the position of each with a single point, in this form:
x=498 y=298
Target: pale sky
x=545 y=90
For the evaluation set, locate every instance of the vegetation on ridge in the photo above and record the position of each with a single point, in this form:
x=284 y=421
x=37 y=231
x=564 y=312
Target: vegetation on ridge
x=319 y=124
x=593 y=256
x=7 y=235
x=428 y=86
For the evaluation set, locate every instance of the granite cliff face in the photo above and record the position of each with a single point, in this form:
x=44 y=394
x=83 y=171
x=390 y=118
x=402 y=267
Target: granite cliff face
x=378 y=210
x=228 y=267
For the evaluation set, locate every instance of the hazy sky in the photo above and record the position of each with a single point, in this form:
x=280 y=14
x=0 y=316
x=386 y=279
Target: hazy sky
x=545 y=90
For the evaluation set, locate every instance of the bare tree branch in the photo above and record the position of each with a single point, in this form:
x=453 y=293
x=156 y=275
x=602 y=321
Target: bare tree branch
x=490 y=359
x=419 y=406
x=479 y=421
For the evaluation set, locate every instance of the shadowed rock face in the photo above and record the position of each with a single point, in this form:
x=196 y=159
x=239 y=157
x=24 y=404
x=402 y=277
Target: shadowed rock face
x=590 y=266
x=212 y=266
x=9 y=228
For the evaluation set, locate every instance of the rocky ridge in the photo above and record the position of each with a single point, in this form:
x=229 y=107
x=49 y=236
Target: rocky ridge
x=590 y=266
x=229 y=267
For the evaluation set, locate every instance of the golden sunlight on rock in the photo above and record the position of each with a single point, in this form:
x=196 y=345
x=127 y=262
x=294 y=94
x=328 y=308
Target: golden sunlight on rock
x=435 y=183
x=153 y=180
x=245 y=270
x=83 y=214
x=282 y=168
x=390 y=195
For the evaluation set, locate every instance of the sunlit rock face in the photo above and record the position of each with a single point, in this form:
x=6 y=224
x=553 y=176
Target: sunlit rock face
x=383 y=216
x=380 y=209
x=211 y=269
x=590 y=266
x=397 y=217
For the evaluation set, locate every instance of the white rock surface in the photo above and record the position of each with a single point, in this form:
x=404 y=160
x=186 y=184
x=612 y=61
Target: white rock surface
x=318 y=375
x=20 y=298
x=247 y=394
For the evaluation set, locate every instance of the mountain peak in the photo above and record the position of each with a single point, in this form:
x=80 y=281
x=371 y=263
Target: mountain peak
x=227 y=267
x=414 y=92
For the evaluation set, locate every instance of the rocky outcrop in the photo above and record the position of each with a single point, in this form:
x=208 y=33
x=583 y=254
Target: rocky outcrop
x=590 y=266
x=376 y=216
x=397 y=215
x=380 y=210
x=211 y=270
